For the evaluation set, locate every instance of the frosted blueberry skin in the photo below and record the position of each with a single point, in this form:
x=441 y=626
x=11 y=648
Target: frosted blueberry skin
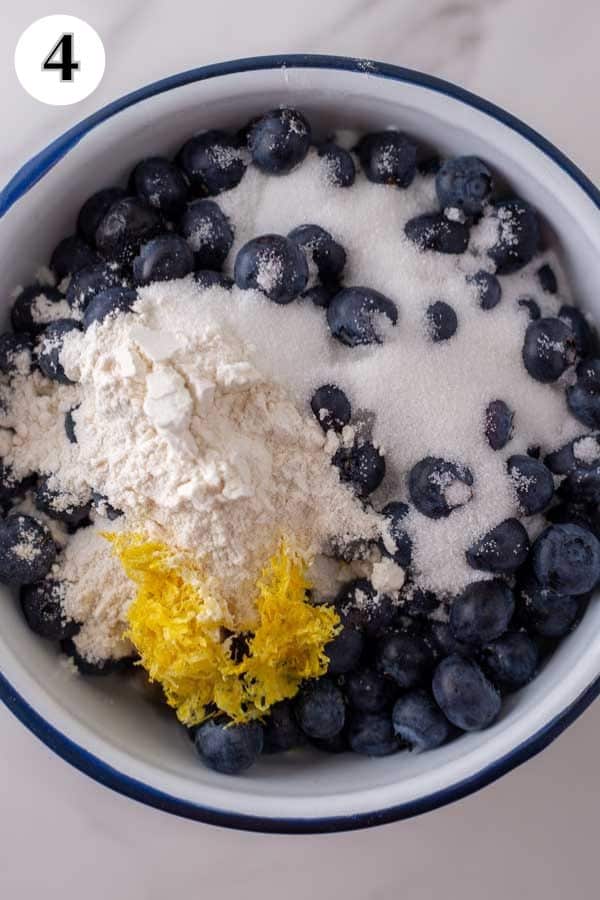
x=464 y=694
x=42 y=608
x=566 y=558
x=511 y=660
x=533 y=482
x=433 y=231
x=362 y=466
x=70 y=255
x=159 y=183
x=395 y=512
x=279 y=141
x=212 y=163
x=419 y=722
x=388 y=157
x=341 y=170
x=489 y=288
x=429 y=482
x=94 y=209
x=164 y=258
x=405 y=658
x=482 y=612
x=126 y=225
x=50 y=347
x=583 y=398
x=372 y=734
x=586 y=339
x=544 y=611
x=549 y=349
x=368 y=691
x=51 y=502
x=353 y=315
x=464 y=183
x=503 y=550
x=87 y=283
x=274 y=265
x=345 y=651
x=515 y=248
x=499 y=419
x=318 y=246
x=331 y=407
x=441 y=322
x=320 y=709
x=280 y=729
x=209 y=233
x=15 y=532
x=109 y=303
x=22 y=314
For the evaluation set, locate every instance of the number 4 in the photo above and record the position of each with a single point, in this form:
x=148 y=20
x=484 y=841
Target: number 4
x=63 y=51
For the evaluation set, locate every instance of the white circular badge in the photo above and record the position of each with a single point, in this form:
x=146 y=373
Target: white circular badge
x=60 y=60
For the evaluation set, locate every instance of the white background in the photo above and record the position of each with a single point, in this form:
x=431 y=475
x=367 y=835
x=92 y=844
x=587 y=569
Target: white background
x=534 y=833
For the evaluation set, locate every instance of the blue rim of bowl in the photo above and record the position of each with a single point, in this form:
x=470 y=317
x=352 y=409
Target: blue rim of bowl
x=27 y=176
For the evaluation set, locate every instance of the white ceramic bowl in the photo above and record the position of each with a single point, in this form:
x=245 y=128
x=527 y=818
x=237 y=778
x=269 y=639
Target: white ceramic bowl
x=134 y=747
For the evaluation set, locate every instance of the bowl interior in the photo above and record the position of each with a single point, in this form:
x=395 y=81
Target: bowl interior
x=113 y=719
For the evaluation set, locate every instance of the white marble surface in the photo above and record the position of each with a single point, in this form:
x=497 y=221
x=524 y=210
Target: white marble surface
x=530 y=835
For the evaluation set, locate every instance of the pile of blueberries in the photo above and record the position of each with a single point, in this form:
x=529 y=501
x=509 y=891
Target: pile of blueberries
x=399 y=676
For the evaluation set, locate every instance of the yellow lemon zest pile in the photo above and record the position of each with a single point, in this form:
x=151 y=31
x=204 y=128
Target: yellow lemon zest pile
x=180 y=643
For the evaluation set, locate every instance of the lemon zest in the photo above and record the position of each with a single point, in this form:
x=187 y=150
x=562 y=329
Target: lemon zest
x=181 y=644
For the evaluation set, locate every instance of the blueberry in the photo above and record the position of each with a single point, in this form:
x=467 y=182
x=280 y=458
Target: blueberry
x=504 y=549
x=545 y=611
x=531 y=306
x=16 y=353
x=361 y=607
x=160 y=184
x=499 y=420
x=429 y=165
x=331 y=407
x=320 y=709
x=464 y=694
x=94 y=209
x=109 y=303
x=489 y=287
x=322 y=252
x=582 y=485
x=71 y=255
x=70 y=425
x=280 y=729
x=27 y=550
x=419 y=603
x=372 y=734
x=562 y=461
x=355 y=315
x=547 y=279
x=464 y=183
x=227 y=748
x=549 y=349
x=32 y=308
x=566 y=558
x=511 y=660
x=344 y=651
x=58 y=505
x=212 y=162
x=362 y=466
x=583 y=398
x=533 y=483
x=94 y=667
x=126 y=225
x=89 y=282
x=441 y=321
x=103 y=508
x=11 y=486
x=437 y=486
x=208 y=231
x=444 y=642
x=50 y=347
x=206 y=278
x=367 y=691
x=322 y=294
x=433 y=231
x=586 y=340
x=405 y=658
x=336 y=744
x=482 y=612
x=339 y=165
x=274 y=265
x=388 y=157
x=164 y=258
x=398 y=544
x=42 y=607
x=518 y=236
x=279 y=141
x=419 y=722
